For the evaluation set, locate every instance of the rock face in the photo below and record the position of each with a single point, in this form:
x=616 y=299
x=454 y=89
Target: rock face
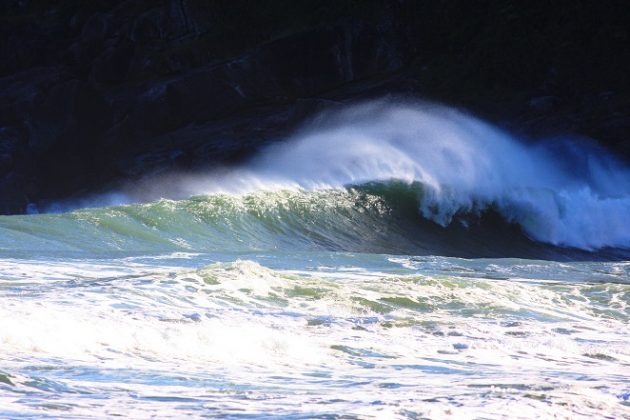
x=96 y=92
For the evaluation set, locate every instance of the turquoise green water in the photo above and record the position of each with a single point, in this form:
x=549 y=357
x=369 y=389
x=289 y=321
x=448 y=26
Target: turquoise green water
x=295 y=304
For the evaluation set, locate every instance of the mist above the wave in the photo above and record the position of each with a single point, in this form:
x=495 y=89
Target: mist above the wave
x=563 y=192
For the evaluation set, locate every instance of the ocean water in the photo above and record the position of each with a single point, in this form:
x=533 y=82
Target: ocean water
x=389 y=261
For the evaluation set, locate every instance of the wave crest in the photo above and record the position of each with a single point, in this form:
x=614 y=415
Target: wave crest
x=566 y=193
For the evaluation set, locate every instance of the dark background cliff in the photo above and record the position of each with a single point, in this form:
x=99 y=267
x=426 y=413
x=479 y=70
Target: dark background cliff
x=95 y=92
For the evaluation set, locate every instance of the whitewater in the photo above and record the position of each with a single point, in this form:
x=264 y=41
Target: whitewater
x=392 y=259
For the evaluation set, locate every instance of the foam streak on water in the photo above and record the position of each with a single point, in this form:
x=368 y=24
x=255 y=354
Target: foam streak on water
x=365 y=335
x=389 y=261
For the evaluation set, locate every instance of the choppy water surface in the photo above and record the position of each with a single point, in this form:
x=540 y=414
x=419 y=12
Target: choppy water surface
x=399 y=262
x=317 y=334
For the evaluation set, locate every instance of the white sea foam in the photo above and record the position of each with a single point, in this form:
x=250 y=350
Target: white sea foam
x=360 y=340
x=564 y=193
x=140 y=326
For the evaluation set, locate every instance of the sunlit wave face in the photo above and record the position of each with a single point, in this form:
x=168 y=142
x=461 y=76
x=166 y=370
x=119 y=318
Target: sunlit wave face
x=578 y=199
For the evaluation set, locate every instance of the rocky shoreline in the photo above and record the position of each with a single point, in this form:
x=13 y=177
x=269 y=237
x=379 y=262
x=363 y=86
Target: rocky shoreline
x=94 y=93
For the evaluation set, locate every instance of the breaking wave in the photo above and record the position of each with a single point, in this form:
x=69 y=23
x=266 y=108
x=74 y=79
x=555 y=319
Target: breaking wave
x=457 y=169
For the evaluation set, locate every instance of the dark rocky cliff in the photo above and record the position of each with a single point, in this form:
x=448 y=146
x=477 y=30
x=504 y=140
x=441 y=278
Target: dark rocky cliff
x=92 y=93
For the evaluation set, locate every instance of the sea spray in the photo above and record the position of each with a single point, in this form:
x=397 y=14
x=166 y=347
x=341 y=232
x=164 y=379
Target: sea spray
x=349 y=271
x=562 y=193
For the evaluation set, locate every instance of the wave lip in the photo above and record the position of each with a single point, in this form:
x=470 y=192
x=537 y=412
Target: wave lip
x=562 y=193
x=565 y=193
x=378 y=217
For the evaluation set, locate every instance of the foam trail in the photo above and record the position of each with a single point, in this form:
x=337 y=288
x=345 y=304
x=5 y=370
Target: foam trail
x=573 y=195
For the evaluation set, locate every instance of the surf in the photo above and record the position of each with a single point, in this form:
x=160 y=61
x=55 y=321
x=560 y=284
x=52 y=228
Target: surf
x=565 y=192
x=377 y=224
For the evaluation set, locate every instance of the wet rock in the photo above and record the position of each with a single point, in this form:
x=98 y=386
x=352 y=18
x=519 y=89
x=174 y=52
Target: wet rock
x=147 y=27
x=153 y=112
x=13 y=193
x=543 y=103
x=113 y=64
x=9 y=146
x=205 y=95
x=616 y=131
x=91 y=43
x=178 y=18
x=97 y=28
x=71 y=114
x=300 y=65
x=306 y=108
x=180 y=83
